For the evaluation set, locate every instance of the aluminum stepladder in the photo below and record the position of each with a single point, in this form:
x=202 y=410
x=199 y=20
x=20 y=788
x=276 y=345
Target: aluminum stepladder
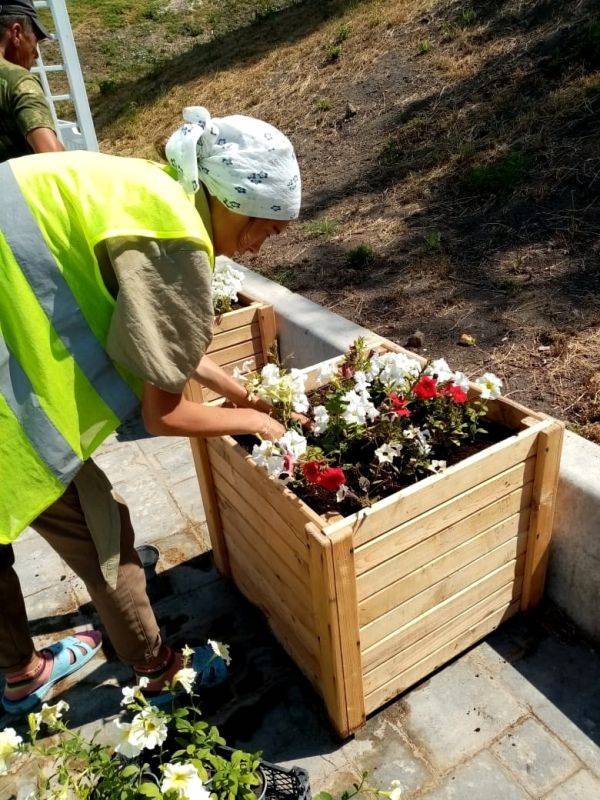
x=81 y=134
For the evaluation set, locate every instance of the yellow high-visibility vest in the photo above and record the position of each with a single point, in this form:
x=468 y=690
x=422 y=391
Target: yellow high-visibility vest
x=60 y=393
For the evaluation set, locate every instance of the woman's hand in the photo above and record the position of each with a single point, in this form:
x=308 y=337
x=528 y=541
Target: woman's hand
x=269 y=428
x=305 y=421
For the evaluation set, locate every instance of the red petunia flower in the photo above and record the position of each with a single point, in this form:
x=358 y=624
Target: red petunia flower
x=328 y=478
x=426 y=388
x=332 y=478
x=312 y=471
x=457 y=394
x=399 y=405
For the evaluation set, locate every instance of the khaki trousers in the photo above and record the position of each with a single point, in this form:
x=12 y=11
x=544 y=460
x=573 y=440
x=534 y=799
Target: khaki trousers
x=125 y=612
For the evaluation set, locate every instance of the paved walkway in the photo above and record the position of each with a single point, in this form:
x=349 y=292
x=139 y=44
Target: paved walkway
x=516 y=717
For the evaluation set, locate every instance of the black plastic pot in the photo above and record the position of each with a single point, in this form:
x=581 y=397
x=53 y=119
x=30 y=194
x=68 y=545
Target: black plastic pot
x=281 y=784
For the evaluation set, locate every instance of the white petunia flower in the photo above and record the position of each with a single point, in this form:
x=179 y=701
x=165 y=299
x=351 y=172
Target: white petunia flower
x=491 y=386
x=185 y=677
x=422 y=439
x=440 y=368
x=227 y=281
x=460 y=380
x=327 y=372
x=393 y=370
x=148 y=729
x=270 y=375
x=341 y=493
x=133 y=693
x=238 y=375
x=221 y=650
x=294 y=443
x=184 y=781
x=49 y=715
x=396 y=790
x=118 y=733
x=268 y=455
x=358 y=409
x=321 y=420
x=9 y=745
x=388 y=452
x=437 y=466
x=361 y=382
x=187 y=651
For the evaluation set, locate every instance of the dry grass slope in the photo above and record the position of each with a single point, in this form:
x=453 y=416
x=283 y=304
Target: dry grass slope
x=458 y=142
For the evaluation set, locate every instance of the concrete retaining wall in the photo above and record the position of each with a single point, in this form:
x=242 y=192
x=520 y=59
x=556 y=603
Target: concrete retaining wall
x=309 y=333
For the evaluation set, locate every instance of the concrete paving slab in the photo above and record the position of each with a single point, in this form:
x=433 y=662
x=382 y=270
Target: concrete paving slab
x=122 y=462
x=480 y=778
x=555 y=676
x=457 y=712
x=177 y=461
x=581 y=786
x=535 y=757
x=153 y=511
x=188 y=498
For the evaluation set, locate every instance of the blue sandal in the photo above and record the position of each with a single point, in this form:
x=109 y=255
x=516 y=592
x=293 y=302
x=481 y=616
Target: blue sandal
x=211 y=669
x=61 y=668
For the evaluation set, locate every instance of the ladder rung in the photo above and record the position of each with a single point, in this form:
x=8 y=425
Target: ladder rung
x=59 y=98
x=40 y=4
x=49 y=68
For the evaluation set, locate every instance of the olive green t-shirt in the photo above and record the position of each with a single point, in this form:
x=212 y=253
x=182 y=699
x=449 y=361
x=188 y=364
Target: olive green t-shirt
x=23 y=108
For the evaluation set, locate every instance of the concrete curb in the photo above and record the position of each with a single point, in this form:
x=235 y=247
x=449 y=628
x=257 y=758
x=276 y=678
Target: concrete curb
x=309 y=333
x=574 y=572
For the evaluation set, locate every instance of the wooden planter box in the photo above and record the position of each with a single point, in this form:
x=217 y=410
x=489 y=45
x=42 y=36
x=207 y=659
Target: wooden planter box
x=244 y=335
x=369 y=605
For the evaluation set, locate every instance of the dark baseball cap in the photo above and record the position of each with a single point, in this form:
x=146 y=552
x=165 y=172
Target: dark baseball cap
x=25 y=8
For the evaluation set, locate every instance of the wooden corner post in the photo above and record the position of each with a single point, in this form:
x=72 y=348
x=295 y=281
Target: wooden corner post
x=333 y=581
x=193 y=391
x=543 y=504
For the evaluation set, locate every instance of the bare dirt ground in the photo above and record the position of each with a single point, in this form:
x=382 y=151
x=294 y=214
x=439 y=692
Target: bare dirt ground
x=457 y=143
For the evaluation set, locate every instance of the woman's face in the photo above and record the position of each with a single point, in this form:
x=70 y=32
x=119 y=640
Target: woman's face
x=235 y=234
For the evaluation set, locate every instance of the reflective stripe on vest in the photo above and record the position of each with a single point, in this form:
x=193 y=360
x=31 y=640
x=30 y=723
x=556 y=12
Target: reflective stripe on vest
x=50 y=445
x=54 y=295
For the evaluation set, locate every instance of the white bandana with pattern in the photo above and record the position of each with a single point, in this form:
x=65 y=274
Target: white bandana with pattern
x=247 y=164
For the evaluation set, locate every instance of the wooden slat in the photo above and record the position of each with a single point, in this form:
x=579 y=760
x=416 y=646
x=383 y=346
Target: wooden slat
x=297 y=513
x=431 y=492
x=268 y=330
x=235 y=319
x=286 y=634
x=409 y=677
x=268 y=595
x=490 y=501
x=542 y=517
x=434 y=546
x=236 y=336
x=347 y=609
x=513 y=529
x=254 y=363
x=262 y=515
x=327 y=626
x=502 y=557
x=238 y=352
x=431 y=641
x=269 y=549
x=438 y=615
x=210 y=503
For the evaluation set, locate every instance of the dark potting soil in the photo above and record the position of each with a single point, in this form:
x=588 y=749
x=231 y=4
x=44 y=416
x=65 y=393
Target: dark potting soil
x=324 y=502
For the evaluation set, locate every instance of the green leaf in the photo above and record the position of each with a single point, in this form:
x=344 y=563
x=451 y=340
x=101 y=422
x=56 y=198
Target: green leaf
x=129 y=771
x=323 y=796
x=150 y=790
